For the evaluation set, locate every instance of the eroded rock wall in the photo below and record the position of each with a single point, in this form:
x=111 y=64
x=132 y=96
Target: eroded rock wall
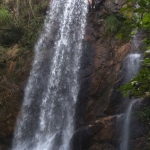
x=102 y=58
x=102 y=74
x=108 y=55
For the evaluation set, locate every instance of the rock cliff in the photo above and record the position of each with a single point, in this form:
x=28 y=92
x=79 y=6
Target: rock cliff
x=101 y=75
x=97 y=117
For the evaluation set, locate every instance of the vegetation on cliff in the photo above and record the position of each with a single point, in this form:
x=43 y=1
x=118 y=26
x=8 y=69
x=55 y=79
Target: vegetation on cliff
x=20 y=22
x=139 y=86
x=134 y=16
x=120 y=25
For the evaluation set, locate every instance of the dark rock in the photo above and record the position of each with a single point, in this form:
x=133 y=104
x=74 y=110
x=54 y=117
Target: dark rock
x=81 y=139
x=102 y=146
x=95 y=127
x=104 y=133
x=84 y=79
x=113 y=5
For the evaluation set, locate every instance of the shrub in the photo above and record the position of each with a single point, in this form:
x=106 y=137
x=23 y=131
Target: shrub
x=6 y=18
x=10 y=36
x=112 y=24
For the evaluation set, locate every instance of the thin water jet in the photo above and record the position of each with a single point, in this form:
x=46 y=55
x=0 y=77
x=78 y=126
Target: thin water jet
x=133 y=63
x=126 y=126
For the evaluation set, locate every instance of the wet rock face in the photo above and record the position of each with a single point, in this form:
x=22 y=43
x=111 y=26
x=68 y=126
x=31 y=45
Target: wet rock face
x=109 y=136
x=104 y=146
x=81 y=138
x=84 y=76
x=101 y=134
x=106 y=137
x=117 y=104
x=108 y=131
x=100 y=65
x=103 y=75
x=107 y=54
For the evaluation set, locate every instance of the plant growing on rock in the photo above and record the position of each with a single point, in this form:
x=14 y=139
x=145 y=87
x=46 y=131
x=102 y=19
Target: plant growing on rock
x=6 y=18
x=139 y=86
x=20 y=22
x=119 y=25
x=112 y=24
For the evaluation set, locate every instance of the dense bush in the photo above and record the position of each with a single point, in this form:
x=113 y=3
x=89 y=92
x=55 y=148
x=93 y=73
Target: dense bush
x=112 y=24
x=20 y=21
x=120 y=25
x=7 y=33
x=10 y=36
x=6 y=18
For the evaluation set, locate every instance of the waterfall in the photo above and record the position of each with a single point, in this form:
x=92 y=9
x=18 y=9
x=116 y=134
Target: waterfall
x=126 y=127
x=46 y=120
x=132 y=65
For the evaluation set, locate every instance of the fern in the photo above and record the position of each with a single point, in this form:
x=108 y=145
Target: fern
x=112 y=24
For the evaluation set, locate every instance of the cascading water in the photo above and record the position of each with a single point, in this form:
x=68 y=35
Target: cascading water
x=46 y=121
x=133 y=63
x=126 y=127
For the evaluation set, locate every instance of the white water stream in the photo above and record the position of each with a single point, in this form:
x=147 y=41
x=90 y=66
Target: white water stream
x=126 y=127
x=133 y=63
x=46 y=120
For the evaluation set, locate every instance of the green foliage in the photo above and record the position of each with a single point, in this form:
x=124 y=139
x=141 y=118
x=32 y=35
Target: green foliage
x=139 y=86
x=6 y=18
x=119 y=25
x=31 y=31
x=22 y=23
x=125 y=29
x=30 y=23
x=8 y=32
x=140 y=14
x=112 y=24
x=144 y=116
